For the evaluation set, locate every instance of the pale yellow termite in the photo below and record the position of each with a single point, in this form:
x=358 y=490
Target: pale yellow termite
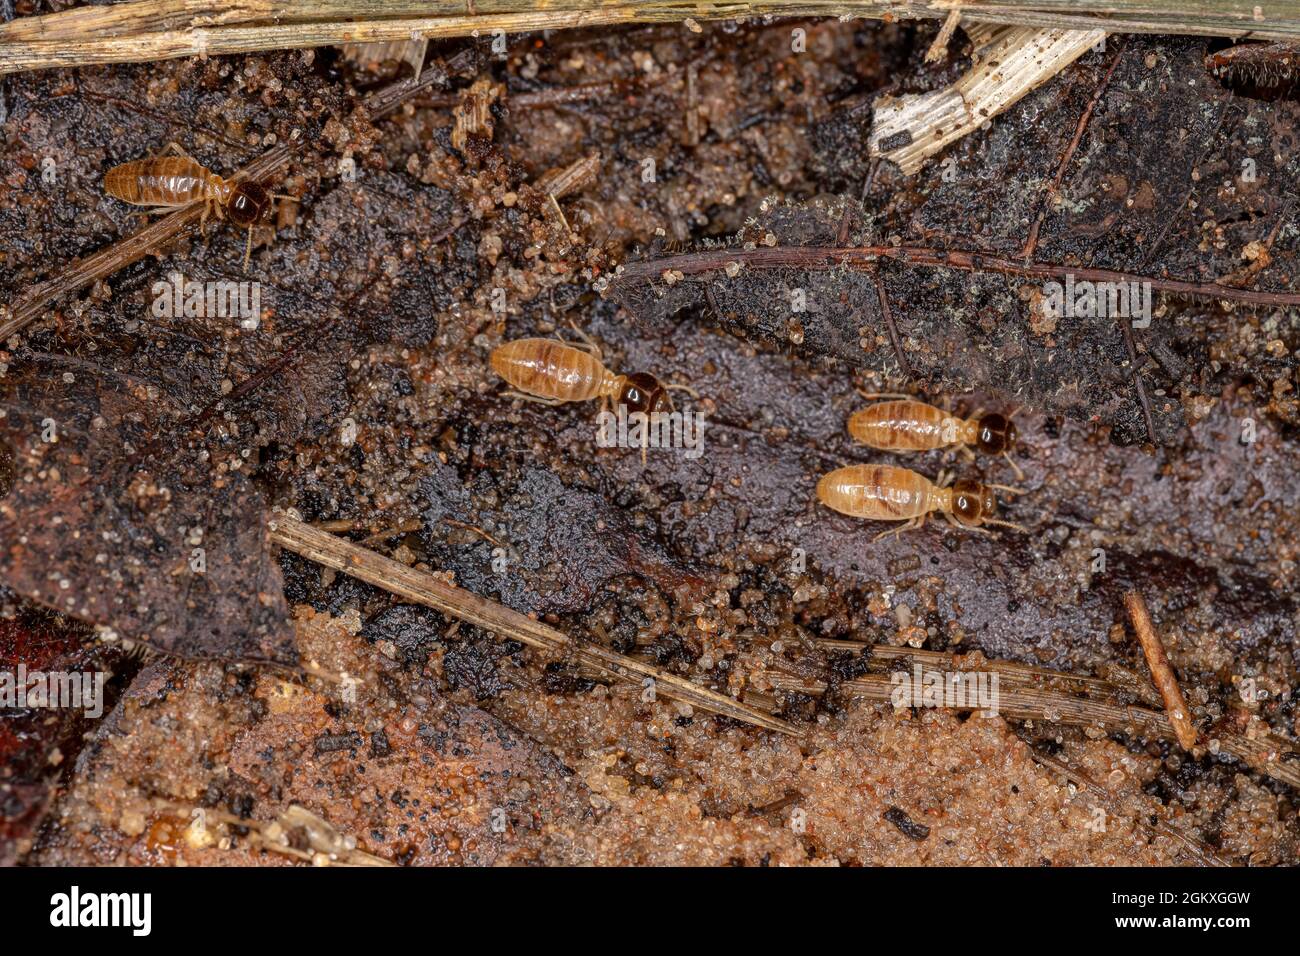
x=909 y=425
x=552 y=372
x=166 y=182
x=888 y=493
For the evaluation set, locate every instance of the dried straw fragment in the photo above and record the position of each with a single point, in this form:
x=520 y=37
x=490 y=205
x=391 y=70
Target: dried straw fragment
x=908 y=130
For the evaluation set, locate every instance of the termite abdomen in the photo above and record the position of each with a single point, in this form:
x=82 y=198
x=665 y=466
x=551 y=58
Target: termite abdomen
x=550 y=370
x=900 y=426
x=159 y=181
x=876 y=492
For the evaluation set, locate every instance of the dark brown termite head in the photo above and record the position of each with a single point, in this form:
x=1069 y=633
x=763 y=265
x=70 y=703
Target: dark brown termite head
x=973 y=503
x=642 y=392
x=247 y=204
x=995 y=434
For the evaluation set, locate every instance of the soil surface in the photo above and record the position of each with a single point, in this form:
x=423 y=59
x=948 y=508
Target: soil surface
x=365 y=399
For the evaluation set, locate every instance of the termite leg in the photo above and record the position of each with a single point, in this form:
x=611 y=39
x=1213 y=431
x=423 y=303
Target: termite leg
x=684 y=388
x=175 y=147
x=1020 y=475
x=911 y=523
x=531 y=398
x=967 y=527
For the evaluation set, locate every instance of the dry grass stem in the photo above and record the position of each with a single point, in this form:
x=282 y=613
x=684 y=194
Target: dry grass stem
x=424 y=587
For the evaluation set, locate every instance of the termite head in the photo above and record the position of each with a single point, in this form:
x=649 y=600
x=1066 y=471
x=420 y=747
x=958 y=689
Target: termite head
x=973 y=503
x=247 y=204
x=641 y=392
x=995 y=434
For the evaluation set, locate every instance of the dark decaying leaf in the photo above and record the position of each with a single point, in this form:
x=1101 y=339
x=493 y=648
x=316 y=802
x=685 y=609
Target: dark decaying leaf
x=1173 y=182
x=104 y=522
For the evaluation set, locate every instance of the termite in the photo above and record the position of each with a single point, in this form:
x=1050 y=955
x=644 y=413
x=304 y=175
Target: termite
x=887 y=493
x=910 y=425
x=554 y=372
x=166 y=182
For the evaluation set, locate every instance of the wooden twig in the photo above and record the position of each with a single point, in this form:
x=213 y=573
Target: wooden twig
x=573 y=178
x=144 y=30
x=402 y=527
x=1162 y=674
x=432 y=591
x=939 y=48
x=1122 y=686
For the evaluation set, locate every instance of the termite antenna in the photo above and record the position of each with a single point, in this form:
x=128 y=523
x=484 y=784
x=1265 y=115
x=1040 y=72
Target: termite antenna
x=1007 y=524
x=872 y=395
x=248 y=250
x=590 y=342
x=684 y=388
x=1008 y=489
